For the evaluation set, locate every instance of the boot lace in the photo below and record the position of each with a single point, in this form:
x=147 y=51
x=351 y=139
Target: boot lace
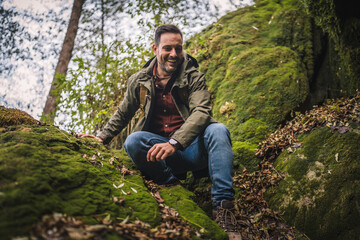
x=226 y=219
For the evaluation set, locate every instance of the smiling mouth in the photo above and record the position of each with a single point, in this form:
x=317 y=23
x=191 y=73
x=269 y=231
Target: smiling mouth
x=172 y=62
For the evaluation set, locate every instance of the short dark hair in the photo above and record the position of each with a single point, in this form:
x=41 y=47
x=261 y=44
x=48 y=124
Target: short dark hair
x=165 y=29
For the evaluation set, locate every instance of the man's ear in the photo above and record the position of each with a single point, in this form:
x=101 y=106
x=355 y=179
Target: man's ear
x=154 y=48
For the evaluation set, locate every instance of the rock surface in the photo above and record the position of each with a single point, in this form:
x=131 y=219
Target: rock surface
x=258 y=61
x=321 y=191
x=45 y=170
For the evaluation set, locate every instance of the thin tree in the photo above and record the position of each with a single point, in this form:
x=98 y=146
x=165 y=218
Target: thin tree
x=63 y=62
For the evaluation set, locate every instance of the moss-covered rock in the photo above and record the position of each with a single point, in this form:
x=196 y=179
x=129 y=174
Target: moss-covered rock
x=341 y=21
x=179 y=198
x=258 y=61
x=9 y=116
x=244 y=156
x=44 y=170
x=320 y=194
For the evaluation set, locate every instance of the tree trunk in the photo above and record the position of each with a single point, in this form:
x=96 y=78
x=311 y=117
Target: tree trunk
x=63 y=62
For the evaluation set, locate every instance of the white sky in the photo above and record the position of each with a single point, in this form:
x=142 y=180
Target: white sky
x=28 y=88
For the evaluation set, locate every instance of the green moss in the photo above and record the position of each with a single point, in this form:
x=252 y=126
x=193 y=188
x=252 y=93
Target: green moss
x=44 y=170
x=321 y=189
x=340 y=20
x=252 y=131
x=244 y=156
x=269 y=86
x=179 y=198
x=260 y=59
x=9 y=117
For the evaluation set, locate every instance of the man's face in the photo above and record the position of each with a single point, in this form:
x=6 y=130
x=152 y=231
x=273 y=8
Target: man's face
x=169 y=53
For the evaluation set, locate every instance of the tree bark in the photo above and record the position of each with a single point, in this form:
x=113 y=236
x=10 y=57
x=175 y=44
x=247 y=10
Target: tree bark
x=63 y=62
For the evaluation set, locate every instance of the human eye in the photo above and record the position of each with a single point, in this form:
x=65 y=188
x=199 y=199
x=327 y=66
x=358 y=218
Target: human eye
x=167 y=48
x=178 y=48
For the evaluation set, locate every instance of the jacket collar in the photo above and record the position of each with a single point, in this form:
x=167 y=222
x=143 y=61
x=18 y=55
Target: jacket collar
x=188 y=65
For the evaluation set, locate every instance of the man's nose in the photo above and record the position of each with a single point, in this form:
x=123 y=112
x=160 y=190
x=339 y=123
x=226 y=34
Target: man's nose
x=173 y=52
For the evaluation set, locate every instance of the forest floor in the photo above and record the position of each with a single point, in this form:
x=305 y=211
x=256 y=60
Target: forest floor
x=256 y=220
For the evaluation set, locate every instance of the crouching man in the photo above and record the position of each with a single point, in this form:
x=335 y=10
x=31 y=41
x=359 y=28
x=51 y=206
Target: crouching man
x=176 y=133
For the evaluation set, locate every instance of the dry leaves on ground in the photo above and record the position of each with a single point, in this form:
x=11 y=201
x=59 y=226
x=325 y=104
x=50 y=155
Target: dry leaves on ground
x=336 y=114
x=256 y=219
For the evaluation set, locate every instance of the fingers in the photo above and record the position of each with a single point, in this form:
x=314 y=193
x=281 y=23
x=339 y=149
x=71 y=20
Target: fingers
x=155 y=153
x=151 y=154
x=160 y=152
x=84 y=135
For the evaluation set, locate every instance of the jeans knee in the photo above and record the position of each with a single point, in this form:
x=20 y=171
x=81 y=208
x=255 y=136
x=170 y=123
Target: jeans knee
x=132 y=142
x=217 y=129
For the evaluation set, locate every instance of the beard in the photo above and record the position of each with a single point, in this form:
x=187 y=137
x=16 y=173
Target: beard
x=166 y=68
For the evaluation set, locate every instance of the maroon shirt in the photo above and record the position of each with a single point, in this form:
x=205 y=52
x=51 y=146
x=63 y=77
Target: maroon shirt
x=165 y=118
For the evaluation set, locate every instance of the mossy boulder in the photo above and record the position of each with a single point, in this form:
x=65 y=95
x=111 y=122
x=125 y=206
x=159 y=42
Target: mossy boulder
x=10 y=116
x=44 y=170
x=244 y=155
x=267 y=60
x=340 y=49
x=258 y=61
x=321 y=191
x=181 y=199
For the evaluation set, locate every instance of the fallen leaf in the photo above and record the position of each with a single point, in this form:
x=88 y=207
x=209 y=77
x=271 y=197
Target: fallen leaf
x=120 y=186
x=343 y=129
x=125 y=220
x=118 y=201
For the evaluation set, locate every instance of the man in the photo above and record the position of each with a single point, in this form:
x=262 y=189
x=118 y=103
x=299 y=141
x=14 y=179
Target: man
x=176 y=133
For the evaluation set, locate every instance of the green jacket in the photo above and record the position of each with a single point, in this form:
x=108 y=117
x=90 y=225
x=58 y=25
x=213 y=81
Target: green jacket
x=189 y=93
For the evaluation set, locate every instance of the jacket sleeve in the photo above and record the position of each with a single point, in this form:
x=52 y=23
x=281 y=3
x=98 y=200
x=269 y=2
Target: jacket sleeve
x=124 y=113
x=199 y=112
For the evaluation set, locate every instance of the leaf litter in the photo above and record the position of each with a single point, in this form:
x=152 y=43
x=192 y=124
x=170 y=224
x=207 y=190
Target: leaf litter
x=255 y=218
x=59 y=226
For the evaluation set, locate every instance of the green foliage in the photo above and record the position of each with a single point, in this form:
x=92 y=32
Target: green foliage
x=270 y=84
x=90 y=94
x=324 y=13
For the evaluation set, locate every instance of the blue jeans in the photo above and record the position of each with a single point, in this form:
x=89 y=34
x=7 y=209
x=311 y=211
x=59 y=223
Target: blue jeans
x=211 y=149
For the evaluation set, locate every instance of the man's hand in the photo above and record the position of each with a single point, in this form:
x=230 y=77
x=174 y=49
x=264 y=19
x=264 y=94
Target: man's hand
x=83 y=135
x=160 y=152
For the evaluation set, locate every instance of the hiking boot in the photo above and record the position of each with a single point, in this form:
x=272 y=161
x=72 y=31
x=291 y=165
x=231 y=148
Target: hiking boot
x=225 y=218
